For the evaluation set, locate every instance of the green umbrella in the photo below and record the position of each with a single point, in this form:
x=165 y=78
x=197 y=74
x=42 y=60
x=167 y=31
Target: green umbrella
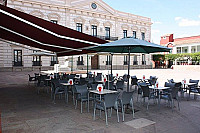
x=130 y=45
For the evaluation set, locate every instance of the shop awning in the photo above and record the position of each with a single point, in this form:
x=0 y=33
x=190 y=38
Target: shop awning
x=26 y=29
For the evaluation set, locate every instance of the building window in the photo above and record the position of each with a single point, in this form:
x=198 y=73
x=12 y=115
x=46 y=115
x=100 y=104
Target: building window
x=178 y=50
x=108 y=60
x=143 y=59
x=79 y=27
x=125 y=33
x=198 y=48
x=135 y=62
x=107 y=33
x=36 y=59
x=134 y=34
x=184 y=49
x=53 y=60
x=143 y=35
x=193 y=50
x=80 y=60
x=94 y=30
x=125 y=60
x=17 y=58
x=54 y=21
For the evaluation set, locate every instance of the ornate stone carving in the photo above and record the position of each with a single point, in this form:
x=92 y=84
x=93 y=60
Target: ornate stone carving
x=142 y=29
x=37 y=13
x=19 y=9
x=54 y=16
x=134 y=28
x=79 y=20
x=125 y=27
x=107 y=24
x=94 y=22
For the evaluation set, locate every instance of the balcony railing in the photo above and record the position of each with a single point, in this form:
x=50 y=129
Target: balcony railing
x=107 y=38
x=18 y=63
x=80 y=63
x=37 y=63
x=108 y=62
x=135 y=62
x=143 y=62
x=53 y=62
x=125 y=62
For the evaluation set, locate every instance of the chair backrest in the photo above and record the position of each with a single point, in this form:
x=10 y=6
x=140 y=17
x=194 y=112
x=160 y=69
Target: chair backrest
x=125 y=77
x=94 y=86
x=63 y=81
x=72 y=76
x=153 y=80
x=171 y=80
x=111 y=86
x=145 y=90
x=171 y=85
x=82 y=89
x=126 y=97
x=111 y=99
x=134 y=80
x=175 y=90
x=82 y=81
x=120 y=84
x=194 y=81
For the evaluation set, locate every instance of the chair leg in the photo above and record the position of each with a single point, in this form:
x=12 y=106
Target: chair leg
x=81 y=107
x=178 y=104
x=148 y=104
x=106 y=117
x=94 y=112
x=117 y=115
x=122 y=112
x=76 y=104
x=133 y=109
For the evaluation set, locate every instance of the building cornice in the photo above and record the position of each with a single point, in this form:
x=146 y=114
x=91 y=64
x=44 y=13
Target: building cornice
x=117 y=15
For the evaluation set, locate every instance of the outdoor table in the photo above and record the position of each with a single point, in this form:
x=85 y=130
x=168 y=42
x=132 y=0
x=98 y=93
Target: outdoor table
x=68 y=84
x=159 y=88
x=104 y=92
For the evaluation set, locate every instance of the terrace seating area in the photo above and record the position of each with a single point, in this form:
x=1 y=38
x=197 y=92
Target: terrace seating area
x=76 y=98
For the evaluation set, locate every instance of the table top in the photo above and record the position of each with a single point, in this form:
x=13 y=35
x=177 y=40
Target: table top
x=66 y=84
x=190 y=83
x=159 y=88
x=105 y=91
x=48 y=79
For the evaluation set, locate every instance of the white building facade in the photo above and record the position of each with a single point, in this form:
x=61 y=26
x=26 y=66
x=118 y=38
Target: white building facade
x=93 y=17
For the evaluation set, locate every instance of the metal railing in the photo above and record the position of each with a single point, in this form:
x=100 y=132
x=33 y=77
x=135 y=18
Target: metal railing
x=36 y=63
x=135 y=62
x=108 y=62
x=107 y=38
x=18 y=63
x=80 y=63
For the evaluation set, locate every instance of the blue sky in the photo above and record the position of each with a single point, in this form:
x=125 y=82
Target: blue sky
x=181 y=17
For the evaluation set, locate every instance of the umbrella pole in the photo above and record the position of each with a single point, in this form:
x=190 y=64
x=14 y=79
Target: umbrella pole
x=111 y=65
x=87 y=65
x=129 y=50
x=72 y=65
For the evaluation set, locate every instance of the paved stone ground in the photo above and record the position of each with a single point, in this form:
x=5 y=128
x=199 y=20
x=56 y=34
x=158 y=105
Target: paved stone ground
x=23 y=110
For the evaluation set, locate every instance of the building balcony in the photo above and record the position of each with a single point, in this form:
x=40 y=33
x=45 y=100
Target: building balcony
x=108 y=62
x=107 y=38
x=80 y=63
x=52 y=63
x=17 y=63
x=36 y=63
x=143 y=62
x=135 y=62
x=125 y=62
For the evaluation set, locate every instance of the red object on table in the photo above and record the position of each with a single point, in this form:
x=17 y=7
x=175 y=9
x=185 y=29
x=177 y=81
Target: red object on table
x=104 y=79
x=99 y=88
x=117 y=74
x=143 y=77
x=157 y=85
x=70 y=82
x=184 y=81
